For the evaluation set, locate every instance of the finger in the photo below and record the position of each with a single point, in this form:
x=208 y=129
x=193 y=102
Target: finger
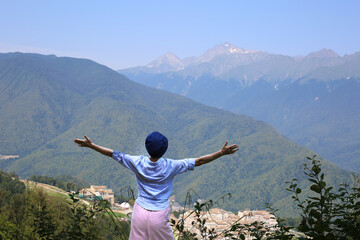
x=88 y=139
x=226 y=143
x=233 y=146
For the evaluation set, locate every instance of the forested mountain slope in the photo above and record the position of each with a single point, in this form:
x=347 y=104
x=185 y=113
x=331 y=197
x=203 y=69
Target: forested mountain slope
x=47 y=101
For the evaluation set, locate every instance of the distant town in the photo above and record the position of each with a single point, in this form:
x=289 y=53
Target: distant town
x=5 y=157
x=216 y=218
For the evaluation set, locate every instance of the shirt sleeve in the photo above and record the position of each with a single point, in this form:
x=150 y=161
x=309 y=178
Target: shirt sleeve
x=180 y=166
x=124 y=159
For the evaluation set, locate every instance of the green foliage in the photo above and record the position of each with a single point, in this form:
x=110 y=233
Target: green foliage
x=8 y=230
x=176 y=214
x=38 y=215
x=292 y=221
x=347 y=210
x=9 y=185
x=32 y=214
x=282 y=231
x=327 y=214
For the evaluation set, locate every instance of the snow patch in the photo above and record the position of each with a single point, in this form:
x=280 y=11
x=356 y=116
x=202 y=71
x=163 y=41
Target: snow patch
x=232 y=50
x=276 y=86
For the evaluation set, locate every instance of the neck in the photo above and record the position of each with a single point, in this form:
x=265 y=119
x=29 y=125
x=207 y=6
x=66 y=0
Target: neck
x=154 y=159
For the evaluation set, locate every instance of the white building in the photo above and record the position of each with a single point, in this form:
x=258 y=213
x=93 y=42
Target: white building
x=102 y=191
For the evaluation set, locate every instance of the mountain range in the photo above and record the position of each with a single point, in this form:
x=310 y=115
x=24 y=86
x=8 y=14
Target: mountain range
x=314 y=100
x=47 y=101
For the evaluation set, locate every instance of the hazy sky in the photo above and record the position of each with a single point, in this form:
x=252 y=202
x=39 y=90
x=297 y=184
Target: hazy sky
x=129 y=33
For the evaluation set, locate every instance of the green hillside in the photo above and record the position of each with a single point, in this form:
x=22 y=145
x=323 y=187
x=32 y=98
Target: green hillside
x=46 y=102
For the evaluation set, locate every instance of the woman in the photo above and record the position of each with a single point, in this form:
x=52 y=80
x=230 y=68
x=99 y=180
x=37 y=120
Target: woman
x=150 y=217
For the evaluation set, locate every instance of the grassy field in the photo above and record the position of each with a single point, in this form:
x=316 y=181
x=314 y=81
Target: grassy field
x=56 y=192
x=51 y=191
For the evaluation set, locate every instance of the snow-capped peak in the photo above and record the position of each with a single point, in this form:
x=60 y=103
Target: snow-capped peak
x=223 y=49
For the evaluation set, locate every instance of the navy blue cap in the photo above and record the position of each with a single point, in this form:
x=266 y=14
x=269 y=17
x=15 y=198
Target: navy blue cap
x=156 y=144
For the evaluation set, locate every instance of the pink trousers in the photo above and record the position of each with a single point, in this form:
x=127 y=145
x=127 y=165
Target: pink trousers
x=150 y=225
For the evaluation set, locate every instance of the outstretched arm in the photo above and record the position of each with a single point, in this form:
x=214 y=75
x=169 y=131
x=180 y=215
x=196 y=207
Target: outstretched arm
x=88 y=143
x=225 y=150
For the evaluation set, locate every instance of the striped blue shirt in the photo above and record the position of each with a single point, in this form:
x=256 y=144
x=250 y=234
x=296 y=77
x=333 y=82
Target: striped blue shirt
x=154 y=179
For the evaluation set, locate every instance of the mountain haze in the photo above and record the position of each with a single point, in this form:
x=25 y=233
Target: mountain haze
x=314 y=100
x=47 y=101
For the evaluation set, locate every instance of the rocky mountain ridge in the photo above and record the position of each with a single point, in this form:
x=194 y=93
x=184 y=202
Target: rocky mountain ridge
x=286 y=92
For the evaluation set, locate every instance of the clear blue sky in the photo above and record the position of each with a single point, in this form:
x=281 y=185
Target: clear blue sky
x=129 y=33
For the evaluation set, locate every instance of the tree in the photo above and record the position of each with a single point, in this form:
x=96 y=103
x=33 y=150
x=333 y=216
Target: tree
x=39 y=216
x=327 y=214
